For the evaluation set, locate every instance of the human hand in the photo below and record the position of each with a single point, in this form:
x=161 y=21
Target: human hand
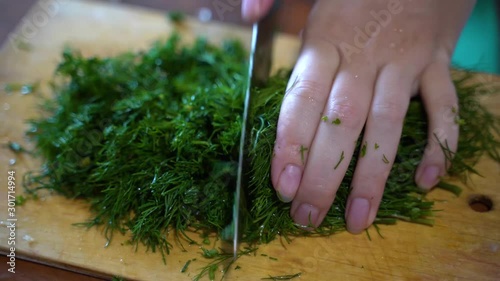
x=360 y=63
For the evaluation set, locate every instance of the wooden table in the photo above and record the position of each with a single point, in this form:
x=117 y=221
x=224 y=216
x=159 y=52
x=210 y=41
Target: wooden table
x=463 y=245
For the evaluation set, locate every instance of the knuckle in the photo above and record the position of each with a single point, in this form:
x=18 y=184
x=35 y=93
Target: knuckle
x=391 y=112
x=307 y=89
x=350 y=114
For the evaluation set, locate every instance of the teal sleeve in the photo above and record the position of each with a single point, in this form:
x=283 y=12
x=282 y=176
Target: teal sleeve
x=478 y=48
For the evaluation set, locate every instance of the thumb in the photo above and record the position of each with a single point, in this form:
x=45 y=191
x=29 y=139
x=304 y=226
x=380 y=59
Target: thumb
x=254 y=10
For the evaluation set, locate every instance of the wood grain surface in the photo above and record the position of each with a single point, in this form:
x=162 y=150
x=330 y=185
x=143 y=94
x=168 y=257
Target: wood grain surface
x=463 y=245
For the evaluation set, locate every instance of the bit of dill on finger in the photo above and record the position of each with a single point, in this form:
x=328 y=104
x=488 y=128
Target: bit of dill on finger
x=324 y=118
x=384 y=158
x=221 y=259
x=363 y=149
x=337 y=121
x=450 y=187
x=376 y=146
x=340 y=160
x=303 y=150
x=20 y=200
x=282 y=277
x=209 y=254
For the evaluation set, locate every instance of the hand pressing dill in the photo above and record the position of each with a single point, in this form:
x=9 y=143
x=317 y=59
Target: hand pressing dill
x=364 y=69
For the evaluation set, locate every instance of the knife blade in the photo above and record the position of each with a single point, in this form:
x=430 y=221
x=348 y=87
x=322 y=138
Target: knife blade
x=259 y=68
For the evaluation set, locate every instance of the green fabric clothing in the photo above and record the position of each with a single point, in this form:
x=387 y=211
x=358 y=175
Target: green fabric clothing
x=478 y=48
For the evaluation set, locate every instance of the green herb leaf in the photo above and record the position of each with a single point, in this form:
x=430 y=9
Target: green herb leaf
x=384 y=158
x=340 y=160
x=363 y=149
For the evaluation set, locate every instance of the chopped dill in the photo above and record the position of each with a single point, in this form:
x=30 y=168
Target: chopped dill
x=376 y=146
x=340 y=160
x=273 y=258
x=20 y=200
x=185 y=267
x=363 y=149
x=303 y=150
x=459 y=121
x=337 y=121
x=150 y=140
x=237 y=267
x=384 y=158
x=324 y=118
x=209 y=254
x=206 y=240
x=211 y=272
x=283 y=277
x=225 y=260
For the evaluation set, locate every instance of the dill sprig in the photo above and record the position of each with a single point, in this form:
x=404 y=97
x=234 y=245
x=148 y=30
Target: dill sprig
x=150 y=140
x=221 y=259
x=283 y=277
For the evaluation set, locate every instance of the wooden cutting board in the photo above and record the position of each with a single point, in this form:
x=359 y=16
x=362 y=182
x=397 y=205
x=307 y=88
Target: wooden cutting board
x=463 y=245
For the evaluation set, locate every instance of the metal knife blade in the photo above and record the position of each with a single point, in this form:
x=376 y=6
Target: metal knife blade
x=259 y=68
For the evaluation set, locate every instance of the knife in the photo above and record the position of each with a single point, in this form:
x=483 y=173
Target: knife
x=259 y=68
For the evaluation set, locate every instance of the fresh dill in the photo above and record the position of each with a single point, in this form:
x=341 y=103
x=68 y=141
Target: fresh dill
x=340 y=160
x=20 y=200
x=324 y=118
x=283 y=277
x=209 y=254
x=376 y=146
x=363 y=149
x=186 y=266
x=303 y=150
x=337 y=121
x=384 y=158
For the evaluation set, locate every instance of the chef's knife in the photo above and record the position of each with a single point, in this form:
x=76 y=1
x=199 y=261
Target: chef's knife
x=259 y=67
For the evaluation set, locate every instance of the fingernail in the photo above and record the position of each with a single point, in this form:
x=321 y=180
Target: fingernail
x=306 y=215
x=289 y=182
x=358 y=212
x=430 y=177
